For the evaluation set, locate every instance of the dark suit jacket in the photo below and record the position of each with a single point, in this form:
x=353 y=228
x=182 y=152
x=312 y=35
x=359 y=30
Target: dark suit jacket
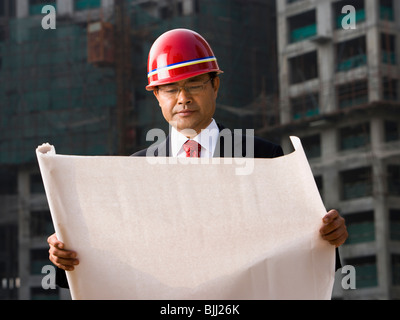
x=228 y=145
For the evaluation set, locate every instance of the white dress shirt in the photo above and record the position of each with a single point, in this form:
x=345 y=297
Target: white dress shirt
x=207 y=138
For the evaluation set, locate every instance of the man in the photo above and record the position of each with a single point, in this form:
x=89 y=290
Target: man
x=183 y=75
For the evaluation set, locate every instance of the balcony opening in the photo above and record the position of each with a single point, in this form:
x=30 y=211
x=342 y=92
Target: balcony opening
x=87 y=4
x=303 y=67
x=41 y=224
x=386 y=10
x=366 y=271
x=394 y=218
x=389 y=88
x=35 y=6
x=305 y=106
x=312 y=146
x=302 y=26
x=8 y=181
x=39 y=258
x=354 y=137
x=392 y=131
x=388 y=48
x=393 y=180
x=360 y=227
x=351 y=54
x=36 y=184
x=356 y=183
x=352 y=94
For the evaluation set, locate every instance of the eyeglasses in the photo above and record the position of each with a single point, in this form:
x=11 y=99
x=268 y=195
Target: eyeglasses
x=172 y=91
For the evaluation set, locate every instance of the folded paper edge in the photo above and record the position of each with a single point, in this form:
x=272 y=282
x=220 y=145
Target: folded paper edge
x=296 y=142
x=46 y=148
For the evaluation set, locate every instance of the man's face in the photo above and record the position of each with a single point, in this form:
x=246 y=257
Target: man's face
x=189 y=109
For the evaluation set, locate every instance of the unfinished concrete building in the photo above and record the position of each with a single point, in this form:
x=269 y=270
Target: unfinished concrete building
x=339 y=78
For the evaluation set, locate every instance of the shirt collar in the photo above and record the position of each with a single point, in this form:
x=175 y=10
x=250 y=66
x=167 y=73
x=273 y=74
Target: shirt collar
x=208 y=138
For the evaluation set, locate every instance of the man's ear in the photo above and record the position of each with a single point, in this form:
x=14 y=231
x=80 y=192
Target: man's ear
x=216 y=83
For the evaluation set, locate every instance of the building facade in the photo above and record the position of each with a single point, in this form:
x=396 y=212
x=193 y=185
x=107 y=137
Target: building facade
x=339 y=77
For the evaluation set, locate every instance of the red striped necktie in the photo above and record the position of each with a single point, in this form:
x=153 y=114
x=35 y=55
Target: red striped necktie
x=192 y=149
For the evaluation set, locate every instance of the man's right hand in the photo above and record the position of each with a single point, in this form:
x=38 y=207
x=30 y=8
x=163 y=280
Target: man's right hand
x=62 y=258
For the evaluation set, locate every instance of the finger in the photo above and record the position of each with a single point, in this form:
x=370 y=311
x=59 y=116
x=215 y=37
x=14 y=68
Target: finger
x=64 y=267
x=66 y=254
x=330 y=216
x=339 y=241
x=332 y=226
x=334 y=235
x=65 y=264
x=332 y=221
x=53 y=241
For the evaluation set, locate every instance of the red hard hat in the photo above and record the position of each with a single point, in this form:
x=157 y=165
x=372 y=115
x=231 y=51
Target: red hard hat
x=177 y=55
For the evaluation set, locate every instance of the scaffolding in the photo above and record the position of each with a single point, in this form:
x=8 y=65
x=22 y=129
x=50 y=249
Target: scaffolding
x=49 y=93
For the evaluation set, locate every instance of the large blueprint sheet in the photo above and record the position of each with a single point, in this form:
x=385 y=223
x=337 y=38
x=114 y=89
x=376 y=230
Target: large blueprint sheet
x=169 y=229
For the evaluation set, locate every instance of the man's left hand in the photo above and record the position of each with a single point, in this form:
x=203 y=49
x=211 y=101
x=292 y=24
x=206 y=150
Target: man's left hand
x=334 y=228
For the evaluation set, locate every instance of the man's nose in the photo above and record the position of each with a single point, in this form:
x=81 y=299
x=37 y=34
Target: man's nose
x=184 y=97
